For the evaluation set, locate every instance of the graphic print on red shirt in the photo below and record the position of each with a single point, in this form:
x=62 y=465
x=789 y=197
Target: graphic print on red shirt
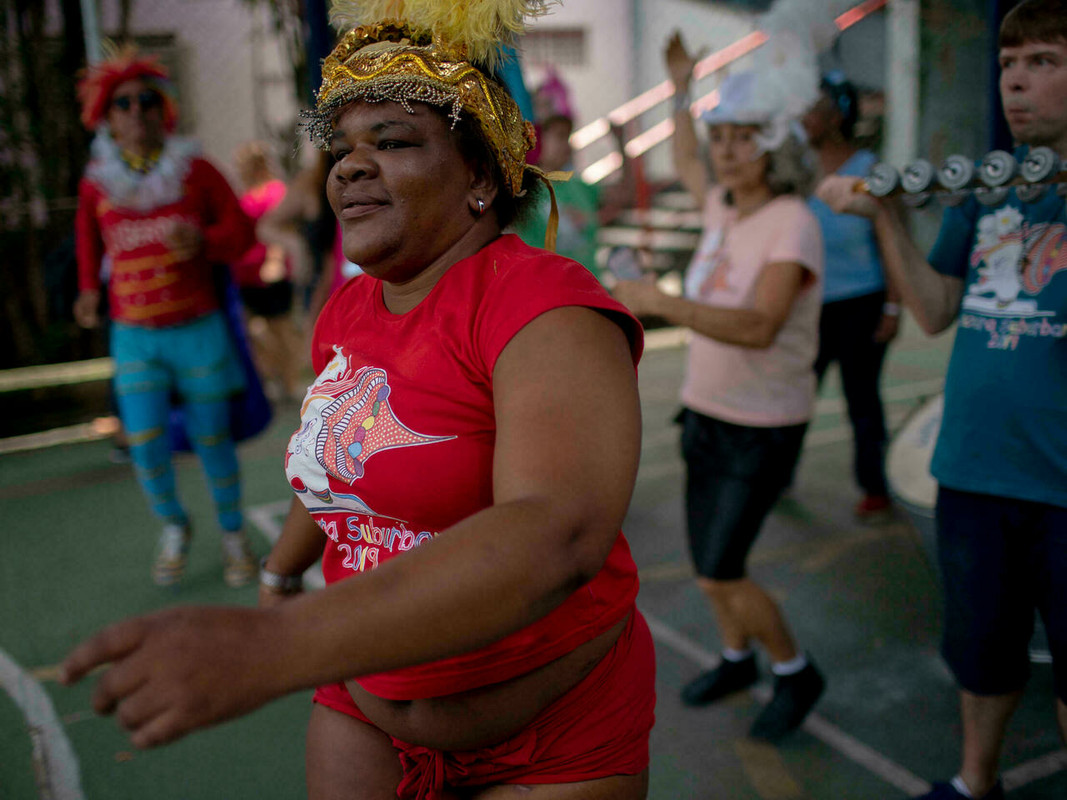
x=397 y=436
x=346 y=419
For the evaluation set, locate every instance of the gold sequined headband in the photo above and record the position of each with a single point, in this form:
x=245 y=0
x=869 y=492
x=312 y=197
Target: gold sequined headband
x=390 y=61
x=441 y=53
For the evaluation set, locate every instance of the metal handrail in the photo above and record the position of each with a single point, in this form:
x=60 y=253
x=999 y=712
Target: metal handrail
x=661 y=92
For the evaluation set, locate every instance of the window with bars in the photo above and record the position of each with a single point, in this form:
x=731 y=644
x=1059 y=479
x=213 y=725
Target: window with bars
x=564 y=47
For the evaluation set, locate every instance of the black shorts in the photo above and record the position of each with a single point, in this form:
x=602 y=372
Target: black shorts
x=734 y=476
x=1000 y=559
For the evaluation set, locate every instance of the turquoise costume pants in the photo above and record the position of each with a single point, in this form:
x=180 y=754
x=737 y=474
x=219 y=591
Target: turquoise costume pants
x=194 y=364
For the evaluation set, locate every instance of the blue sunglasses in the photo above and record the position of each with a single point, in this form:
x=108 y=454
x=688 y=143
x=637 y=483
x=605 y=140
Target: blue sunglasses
x=146 y=101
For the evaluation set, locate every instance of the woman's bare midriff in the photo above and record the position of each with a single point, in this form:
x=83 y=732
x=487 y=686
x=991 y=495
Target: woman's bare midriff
x=485 y=716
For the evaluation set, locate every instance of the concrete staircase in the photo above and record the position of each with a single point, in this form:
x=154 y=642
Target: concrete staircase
x=664 y=236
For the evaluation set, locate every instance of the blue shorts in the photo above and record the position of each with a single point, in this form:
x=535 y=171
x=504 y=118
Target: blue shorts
x=1000 y=559
x=734 y=476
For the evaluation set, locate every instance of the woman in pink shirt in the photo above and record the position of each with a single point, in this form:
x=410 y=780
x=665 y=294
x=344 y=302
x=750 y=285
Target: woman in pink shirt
x=264 y=276
x=752 y=300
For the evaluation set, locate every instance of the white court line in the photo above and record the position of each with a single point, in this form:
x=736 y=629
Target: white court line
x=812 y=440
x=665 y=338
x=55 y=765
x=913 y=390
x=829 y=734
x=1034 y=770
x=265 y=517
x=71 y=434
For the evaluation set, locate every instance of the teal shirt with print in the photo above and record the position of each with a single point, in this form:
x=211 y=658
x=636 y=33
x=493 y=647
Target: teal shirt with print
x=576 y=237
x=1004 y=429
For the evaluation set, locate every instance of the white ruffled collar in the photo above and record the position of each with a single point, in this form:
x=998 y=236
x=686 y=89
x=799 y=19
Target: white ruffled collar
x=127 y=188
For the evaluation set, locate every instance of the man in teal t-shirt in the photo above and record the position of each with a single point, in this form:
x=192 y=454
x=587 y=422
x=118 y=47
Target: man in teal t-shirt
x=1000 y=271
x=1003 y=430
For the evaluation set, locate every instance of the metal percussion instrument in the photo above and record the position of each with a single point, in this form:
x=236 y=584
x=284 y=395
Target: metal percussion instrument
x=956 y=173
x=882 y=181
x=916 y=181
x=1041 y=164
x=990 y=181
x=998 y=168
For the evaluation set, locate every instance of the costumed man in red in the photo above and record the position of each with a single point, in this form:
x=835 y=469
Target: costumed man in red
x=160 y=216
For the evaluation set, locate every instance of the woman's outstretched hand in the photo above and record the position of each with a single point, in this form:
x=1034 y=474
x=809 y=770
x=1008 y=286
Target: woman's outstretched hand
x=181 y=669
x=643 y=297
x=680 y=63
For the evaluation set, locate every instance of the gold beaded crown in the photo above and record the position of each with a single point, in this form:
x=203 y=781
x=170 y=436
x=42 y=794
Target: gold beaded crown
x=430 y=51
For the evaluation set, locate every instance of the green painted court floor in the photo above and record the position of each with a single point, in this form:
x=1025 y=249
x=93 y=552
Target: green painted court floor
x=76 y=541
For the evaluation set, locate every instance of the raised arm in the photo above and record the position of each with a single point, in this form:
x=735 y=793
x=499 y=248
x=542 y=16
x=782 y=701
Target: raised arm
x=623 y=193
x=689 y=165
x=567 y=448
x=933 y=298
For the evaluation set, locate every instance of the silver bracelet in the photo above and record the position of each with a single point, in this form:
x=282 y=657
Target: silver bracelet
x=285 y=584
x=682 y=100
x=891 y=309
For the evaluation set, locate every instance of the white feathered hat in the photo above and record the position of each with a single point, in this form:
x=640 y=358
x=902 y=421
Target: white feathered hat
x=782 y=80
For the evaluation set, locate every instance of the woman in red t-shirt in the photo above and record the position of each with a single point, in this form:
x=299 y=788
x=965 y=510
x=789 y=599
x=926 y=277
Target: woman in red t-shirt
x=463 y=464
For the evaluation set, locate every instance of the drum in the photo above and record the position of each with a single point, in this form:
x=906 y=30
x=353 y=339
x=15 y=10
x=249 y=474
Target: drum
x=914 y=489
x=908 y=470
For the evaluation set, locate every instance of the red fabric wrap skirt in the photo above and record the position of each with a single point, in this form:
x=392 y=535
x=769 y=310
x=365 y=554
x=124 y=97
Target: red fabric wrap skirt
x=598 y=729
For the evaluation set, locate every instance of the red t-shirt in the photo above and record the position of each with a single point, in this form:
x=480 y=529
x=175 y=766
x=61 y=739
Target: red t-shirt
x=397 y=433
x=148 y=285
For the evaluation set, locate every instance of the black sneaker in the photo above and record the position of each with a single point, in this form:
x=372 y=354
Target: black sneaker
x=946 y=791
x=727 y=678
x=794 y=696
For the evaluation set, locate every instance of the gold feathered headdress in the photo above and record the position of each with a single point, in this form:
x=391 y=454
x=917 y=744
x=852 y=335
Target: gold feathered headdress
x=475 y=29
x=440 y=52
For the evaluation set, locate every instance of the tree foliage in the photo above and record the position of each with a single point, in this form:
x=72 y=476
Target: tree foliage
x=288 y=21
x=42 y=154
